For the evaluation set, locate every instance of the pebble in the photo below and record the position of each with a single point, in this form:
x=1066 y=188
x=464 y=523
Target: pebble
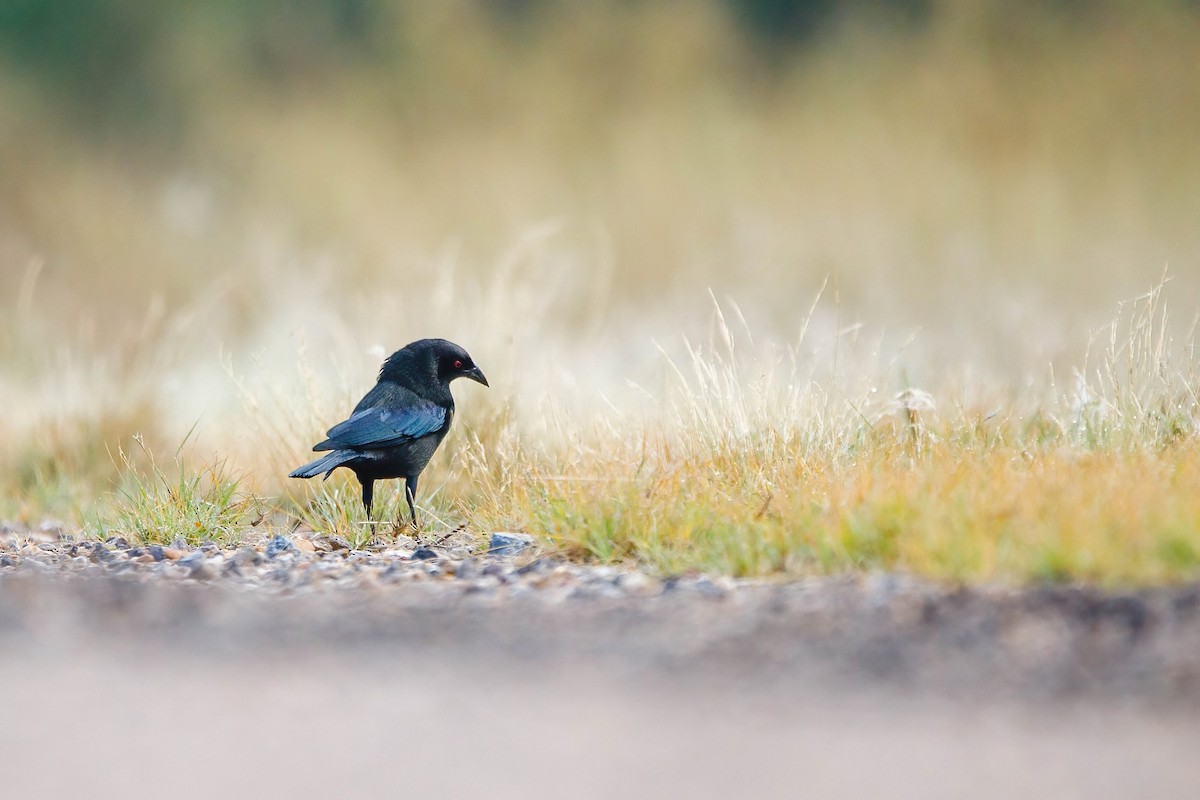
x=278 y=545
x=707 y=588
x=702 y=585
x=487 y=585
x=247 y=556
x=635 y=582
x=496 y=571
x=281 y=574
x=192 y=559
x=203 y=571
x=336 y=543
x=509 y=544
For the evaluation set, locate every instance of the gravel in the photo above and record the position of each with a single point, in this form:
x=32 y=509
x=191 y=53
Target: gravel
x=296 y=665
x=878 y=629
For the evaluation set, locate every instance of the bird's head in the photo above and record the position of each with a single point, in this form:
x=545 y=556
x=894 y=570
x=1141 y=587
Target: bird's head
x=454 y=362
x=438 y=358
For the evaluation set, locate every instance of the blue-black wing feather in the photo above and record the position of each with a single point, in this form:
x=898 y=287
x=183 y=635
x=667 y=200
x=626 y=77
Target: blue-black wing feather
x=372 y=428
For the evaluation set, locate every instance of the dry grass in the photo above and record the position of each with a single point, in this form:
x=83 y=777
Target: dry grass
x=750 y=466
x=632 y=240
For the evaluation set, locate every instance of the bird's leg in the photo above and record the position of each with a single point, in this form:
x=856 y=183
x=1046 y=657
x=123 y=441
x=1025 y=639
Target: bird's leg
x=368 y=496
x=410 y=491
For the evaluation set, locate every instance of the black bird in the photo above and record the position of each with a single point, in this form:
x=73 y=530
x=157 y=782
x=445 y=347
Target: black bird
x=397 y=426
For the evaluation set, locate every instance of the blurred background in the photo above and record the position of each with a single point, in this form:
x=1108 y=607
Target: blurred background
x=202 y=203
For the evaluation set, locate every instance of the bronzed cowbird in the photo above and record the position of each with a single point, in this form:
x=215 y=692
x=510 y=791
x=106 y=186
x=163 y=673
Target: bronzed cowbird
x=394 y=430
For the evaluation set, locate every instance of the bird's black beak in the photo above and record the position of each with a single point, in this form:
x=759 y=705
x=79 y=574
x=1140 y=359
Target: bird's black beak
x=476 y=374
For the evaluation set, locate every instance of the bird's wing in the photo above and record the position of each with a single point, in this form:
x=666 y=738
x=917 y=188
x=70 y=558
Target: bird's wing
x=372 y=428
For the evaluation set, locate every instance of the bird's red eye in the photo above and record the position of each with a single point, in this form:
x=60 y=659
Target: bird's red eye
x=458 y=365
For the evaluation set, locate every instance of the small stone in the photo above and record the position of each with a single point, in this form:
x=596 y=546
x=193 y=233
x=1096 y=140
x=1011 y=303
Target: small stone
x=368 y=580
x=173 y=553
x=707 y=589
x=202 y=571
x=281 y=575
x=304 y=545
x=7 y=561
x=423 y=554
x=602 y=574
x=634 y=582
x=337 y=542
x=538 y=566
x=485 y=585
x=278 y=545
x=192 y=559
x=496 y=571
x=467 y=569
x=247 y=556
x=594 y=591
x=508 y=544
x=145 y=558
x=117 y=542
x=156 y=551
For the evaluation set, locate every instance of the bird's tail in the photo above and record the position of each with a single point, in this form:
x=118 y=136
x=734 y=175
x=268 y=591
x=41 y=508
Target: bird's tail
x=326 y=463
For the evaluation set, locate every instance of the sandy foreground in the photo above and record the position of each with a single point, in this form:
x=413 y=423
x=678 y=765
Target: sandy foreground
x=315 y=673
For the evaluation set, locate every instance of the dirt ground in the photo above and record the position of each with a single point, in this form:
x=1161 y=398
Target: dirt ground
x=141 y=686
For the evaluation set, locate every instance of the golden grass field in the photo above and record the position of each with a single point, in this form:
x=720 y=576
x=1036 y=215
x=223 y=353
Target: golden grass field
x=916 y=301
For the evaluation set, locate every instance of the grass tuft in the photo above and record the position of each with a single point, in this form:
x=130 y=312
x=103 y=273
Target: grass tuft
x=190 y=504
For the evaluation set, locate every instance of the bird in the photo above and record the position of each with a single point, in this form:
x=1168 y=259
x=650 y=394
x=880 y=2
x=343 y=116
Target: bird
x=395 y=429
